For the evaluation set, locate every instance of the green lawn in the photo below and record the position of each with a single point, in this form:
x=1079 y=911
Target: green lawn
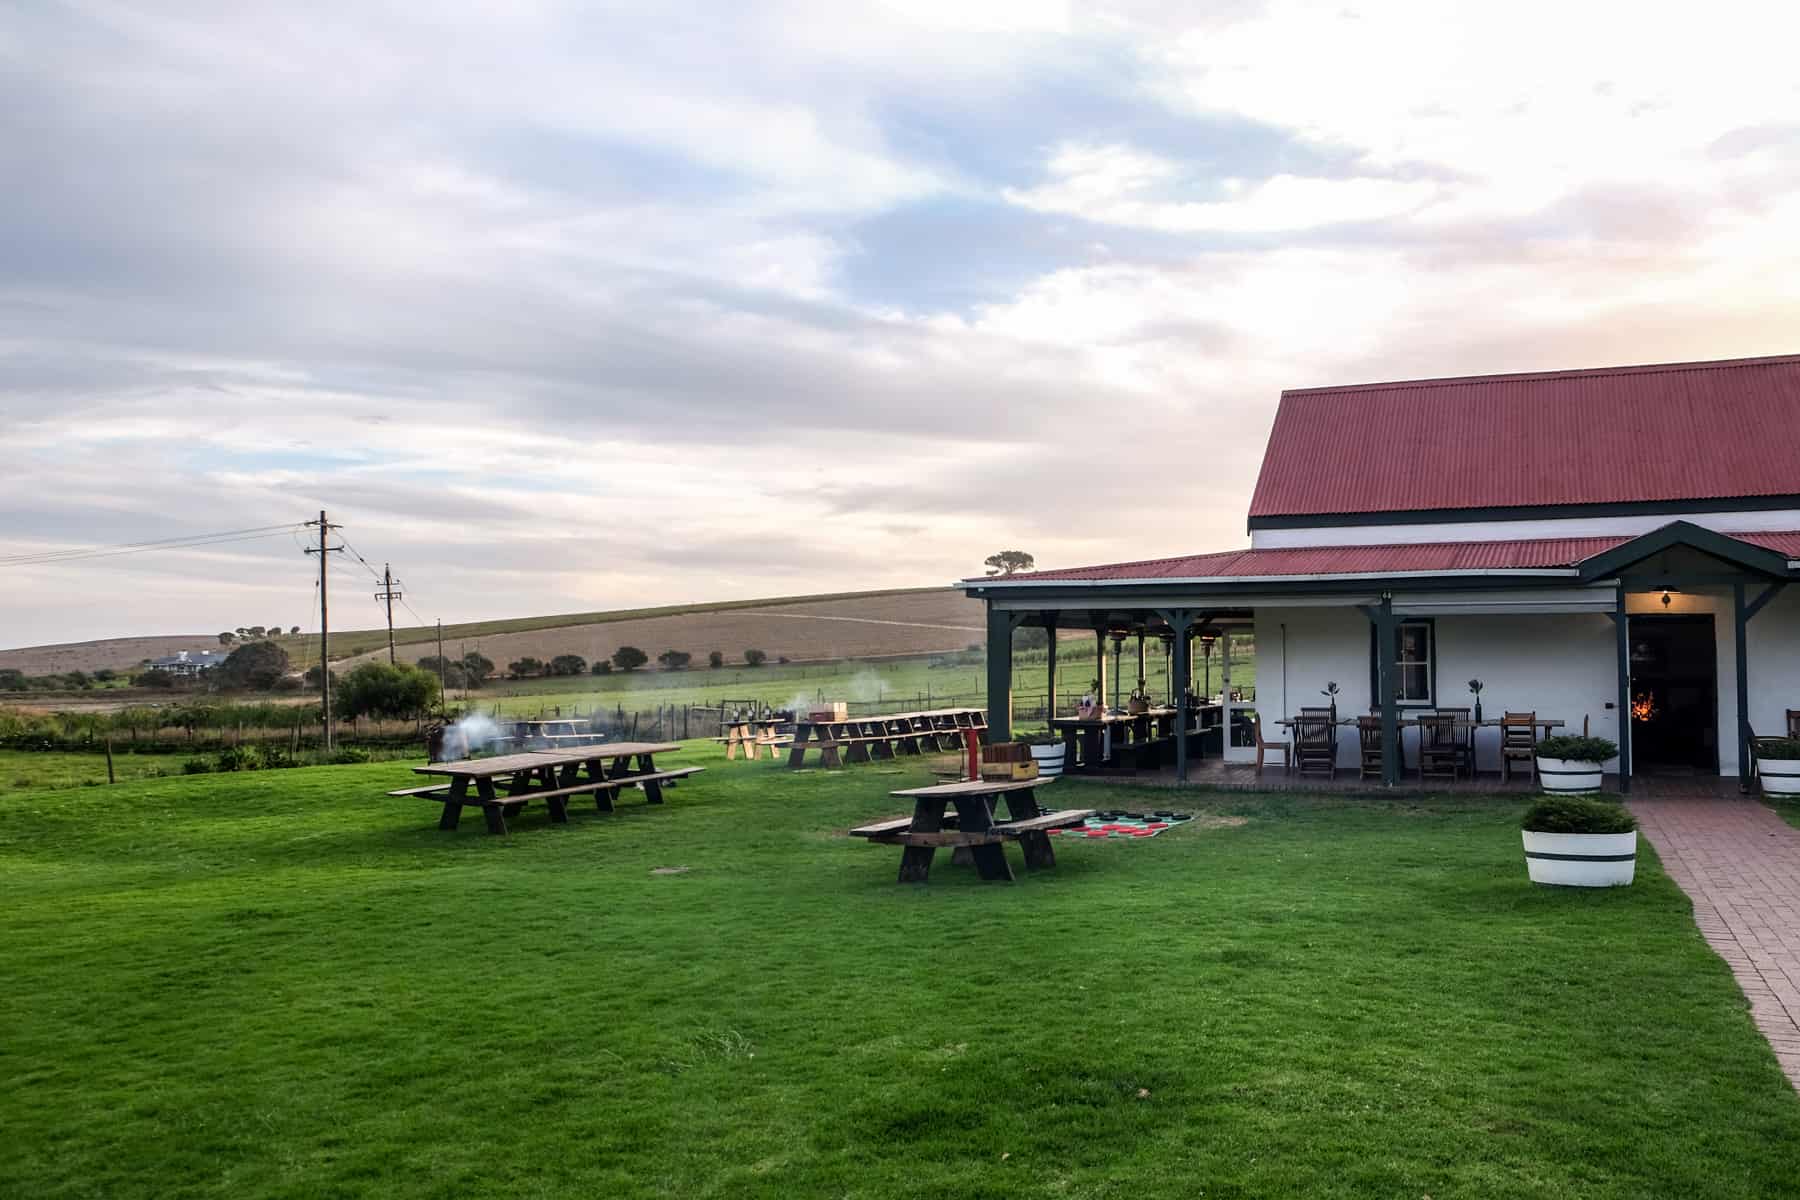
x=285 y=984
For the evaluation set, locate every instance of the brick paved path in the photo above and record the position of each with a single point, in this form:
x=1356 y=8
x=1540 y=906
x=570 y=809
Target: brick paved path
x=1740 y=864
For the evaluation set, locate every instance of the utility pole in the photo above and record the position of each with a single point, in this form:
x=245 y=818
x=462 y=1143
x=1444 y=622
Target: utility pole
x=388 y=594
x=324 y=552
x=443 y=696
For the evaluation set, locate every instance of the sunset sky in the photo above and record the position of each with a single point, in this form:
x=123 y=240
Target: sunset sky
x=563 y=307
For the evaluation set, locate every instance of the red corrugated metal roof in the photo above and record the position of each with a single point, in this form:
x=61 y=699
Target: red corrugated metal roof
x=1532 y=554
x=1785 y=542
x=1680 y=431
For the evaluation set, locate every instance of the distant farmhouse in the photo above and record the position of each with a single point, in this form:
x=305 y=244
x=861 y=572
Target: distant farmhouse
x=1608 y=547
x=186 y=664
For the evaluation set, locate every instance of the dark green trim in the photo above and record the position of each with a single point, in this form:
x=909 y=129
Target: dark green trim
x=1622 y=626
x=1000 y=626
x=1769 y=593
x=1743 y=683
x=1524 y=512
x=1581 y=857
x=1691 y=536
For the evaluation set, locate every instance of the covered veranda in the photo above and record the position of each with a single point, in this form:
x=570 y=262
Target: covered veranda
x=1565 y=610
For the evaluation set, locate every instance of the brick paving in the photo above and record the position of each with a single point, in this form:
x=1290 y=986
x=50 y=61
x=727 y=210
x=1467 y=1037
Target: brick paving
x=1740 y=864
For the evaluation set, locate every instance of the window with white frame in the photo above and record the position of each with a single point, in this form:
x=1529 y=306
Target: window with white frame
x=1414 y=672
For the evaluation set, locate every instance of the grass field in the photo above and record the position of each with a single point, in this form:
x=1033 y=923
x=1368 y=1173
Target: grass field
x=351 y=642
x=284 y=984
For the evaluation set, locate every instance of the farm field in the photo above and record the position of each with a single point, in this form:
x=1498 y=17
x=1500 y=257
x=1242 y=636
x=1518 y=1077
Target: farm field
x=285 y=984
x=958 y=677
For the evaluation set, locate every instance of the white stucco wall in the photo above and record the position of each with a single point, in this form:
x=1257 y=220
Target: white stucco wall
x=1561 y=665
x=1774 y=643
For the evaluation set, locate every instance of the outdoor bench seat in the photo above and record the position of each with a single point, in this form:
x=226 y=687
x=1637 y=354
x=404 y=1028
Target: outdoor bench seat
x=1056 y=820
x=427 y=790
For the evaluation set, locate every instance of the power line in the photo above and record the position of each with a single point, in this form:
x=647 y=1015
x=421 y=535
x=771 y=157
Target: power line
x=190 y=542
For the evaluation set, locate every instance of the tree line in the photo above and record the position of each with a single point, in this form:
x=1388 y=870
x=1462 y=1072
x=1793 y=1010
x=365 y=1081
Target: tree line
x=624 y=659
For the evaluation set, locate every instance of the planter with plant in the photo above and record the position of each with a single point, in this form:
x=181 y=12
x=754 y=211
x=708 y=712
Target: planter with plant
x=1475 y=691
x=1572 y=766
x=1574 y=842
x=1778 y=765
x=1049 y=752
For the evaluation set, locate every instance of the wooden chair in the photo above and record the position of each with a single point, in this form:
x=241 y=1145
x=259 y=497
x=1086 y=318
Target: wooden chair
x=1368 y=734
x=1315 y=745
x=1518 y=740
x=1263 y=747
x=1440 y=749
x=1464 y=734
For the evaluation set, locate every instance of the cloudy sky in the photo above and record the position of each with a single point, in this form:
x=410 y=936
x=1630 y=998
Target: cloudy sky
x=579 y=306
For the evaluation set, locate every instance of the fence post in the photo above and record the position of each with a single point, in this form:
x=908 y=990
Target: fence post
x=109 y=765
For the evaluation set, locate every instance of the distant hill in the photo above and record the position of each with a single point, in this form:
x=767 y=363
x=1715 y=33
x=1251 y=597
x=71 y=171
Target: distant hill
x=834 y=625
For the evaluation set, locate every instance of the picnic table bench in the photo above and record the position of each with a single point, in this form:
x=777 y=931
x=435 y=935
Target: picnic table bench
x=752 y=736
x=548 y=775
x=972 y=829
x=862 y=739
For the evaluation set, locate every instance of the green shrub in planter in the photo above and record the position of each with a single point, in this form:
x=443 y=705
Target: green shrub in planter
x=1044 y=739
x=1577 y=748
x=1573 y=814
x=1778 y=749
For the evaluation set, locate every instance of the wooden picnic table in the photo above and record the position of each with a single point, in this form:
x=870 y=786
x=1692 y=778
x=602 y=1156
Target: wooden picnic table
x=973 y=827
x=548 y=775
x=752 y=735
x=886 y=736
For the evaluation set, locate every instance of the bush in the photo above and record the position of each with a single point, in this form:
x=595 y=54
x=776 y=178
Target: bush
x=377 y=689
x=629 y=658
x=349 y=754
x=1778 y=749
x=715 y=659
x=1574 y=814
x=240 y=758
x=568 y=664
x=674 y=660
x=256 y=665
x=603 y=667
x=756 y=658
x=1577 y=748
x=196 y=766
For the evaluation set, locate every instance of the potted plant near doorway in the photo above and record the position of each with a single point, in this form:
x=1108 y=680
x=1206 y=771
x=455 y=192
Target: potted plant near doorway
x=1574 y=842
x=1049 y=752
x=1778 y=765
x=1571 y=765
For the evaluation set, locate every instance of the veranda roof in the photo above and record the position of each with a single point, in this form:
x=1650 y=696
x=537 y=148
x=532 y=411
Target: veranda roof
x=1548 y=556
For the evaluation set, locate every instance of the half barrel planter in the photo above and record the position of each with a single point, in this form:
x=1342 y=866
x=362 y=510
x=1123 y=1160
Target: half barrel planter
x=1780 y=776
x=1569 y=776
x=1049 y=760
x=1581 y=859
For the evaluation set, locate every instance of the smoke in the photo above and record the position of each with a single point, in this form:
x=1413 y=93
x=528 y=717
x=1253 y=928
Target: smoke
x=470 y=734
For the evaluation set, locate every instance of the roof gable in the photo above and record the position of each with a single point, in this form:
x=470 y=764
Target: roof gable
x=1682 y=431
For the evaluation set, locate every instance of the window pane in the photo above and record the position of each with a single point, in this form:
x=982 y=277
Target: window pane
x=1413 y=643
x=1414 y=682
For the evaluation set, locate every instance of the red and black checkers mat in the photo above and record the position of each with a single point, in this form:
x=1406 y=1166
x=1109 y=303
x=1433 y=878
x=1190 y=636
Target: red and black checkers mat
x=1125 y=824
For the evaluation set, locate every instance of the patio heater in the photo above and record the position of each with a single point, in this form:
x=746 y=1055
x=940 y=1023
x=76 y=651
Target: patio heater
x=1206 y=648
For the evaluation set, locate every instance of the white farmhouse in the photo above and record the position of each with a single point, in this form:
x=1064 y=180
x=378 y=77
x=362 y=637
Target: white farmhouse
x=1610 y=548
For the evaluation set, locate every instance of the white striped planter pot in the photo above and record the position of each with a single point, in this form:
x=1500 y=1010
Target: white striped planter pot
x=1049 y=760
x=1568 y=776
x=1581 y=859
x=1780 y=776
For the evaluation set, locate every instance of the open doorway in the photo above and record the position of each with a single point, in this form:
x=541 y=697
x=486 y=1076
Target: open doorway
x=1674 y=693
